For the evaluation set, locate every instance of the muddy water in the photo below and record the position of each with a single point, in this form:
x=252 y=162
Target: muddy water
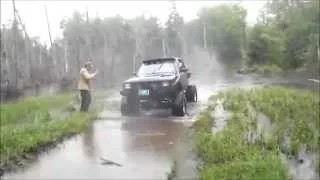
x=138 y=147
x=115 y=147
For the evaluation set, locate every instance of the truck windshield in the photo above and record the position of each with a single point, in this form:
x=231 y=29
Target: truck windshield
x=160 y=68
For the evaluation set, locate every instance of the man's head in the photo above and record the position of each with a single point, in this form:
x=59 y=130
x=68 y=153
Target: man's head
x=88 y=65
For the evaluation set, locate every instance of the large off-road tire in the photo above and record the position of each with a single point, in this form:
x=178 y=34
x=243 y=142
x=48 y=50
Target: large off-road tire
x=128 y=108
x=192 y=94
x=180 y=106
x=123 y=107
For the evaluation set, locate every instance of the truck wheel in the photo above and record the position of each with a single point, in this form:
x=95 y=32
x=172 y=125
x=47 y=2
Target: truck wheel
x=133 y=109
x=192 y=94
x=128 y=108
x=123 y=107
x=195 y=94
x=180 y=106
x=189 y=93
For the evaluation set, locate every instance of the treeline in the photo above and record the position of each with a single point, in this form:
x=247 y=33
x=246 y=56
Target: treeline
x=116 y=45
x=286 y=35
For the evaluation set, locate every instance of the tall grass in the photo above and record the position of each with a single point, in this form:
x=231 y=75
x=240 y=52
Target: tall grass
x=30 y=108
x=17 y=142
x=227 y=154
x=26 y=126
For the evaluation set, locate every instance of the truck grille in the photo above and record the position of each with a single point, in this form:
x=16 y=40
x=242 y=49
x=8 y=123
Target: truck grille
x=151 y=86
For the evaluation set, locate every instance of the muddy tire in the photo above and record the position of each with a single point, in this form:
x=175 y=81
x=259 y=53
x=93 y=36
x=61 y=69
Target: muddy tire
x=123 y=107
x=192 y=94
x=128 y=109
x=180 y=106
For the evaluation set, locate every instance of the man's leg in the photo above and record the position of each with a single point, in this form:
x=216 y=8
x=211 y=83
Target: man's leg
x=87 y=100
x=83 y=97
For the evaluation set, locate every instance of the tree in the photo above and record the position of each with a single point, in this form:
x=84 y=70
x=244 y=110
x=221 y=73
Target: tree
x=174 y=32
x=266 y=45
x=225 y=29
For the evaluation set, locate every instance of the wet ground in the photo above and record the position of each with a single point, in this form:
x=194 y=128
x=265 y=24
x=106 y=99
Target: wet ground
x=117 y=147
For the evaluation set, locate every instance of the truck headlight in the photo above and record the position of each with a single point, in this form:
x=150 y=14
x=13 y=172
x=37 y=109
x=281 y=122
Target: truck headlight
x=165 y=83
x=127 y=86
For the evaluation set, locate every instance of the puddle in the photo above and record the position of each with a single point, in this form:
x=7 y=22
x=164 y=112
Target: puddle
x=185 y=160
x=220 y=117
x=302 y=167
x=264 y=126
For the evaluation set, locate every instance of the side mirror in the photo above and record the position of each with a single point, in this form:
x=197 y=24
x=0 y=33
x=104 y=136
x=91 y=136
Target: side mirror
x=134 y=73
x=188 y=74
x=184 y=69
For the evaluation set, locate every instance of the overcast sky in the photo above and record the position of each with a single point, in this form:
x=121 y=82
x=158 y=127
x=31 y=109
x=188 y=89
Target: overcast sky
x=33 y=13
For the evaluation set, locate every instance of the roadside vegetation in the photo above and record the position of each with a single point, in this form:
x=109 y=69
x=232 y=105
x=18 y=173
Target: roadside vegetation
x=242 y=150
x=286 y=36
x=36 y=123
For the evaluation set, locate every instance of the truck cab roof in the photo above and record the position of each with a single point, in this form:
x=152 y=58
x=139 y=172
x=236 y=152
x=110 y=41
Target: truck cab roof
x=147 y=61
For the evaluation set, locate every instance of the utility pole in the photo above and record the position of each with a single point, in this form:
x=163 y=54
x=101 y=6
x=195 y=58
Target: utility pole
x=164 y=47
x=204 y=35
x=14 y=55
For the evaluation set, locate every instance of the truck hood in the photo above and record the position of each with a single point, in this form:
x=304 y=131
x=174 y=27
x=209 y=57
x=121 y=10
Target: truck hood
x=150 y=78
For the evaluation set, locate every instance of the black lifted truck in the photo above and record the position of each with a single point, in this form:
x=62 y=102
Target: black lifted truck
x=159 y=83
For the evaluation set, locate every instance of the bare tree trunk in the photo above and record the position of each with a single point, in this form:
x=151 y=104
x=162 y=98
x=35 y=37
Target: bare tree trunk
x=28 y=62
x=40 y=56
x=4 y=49
x=66 y=63
x=78 y=55
x=112 y=70
x=48 y=24
x=52 y=48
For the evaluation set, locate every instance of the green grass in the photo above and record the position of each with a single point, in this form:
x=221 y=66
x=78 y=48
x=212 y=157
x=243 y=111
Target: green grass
x=295 y=110
x=226 y=155
x=38 y=129
x=261 y=69
x=31 y=108
x=17 y=142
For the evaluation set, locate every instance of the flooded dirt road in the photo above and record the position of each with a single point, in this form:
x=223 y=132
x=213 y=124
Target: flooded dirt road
x=117 y=147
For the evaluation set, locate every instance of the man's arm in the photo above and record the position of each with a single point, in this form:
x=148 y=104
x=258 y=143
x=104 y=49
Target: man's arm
x=87 y=75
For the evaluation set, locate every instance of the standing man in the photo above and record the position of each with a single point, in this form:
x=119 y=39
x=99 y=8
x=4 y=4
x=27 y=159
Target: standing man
x=84 y=85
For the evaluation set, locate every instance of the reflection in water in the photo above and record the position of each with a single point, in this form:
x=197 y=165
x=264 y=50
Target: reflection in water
x=156 y=135
x=89 y=147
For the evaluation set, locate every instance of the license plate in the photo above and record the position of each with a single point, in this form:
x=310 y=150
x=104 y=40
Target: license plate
x=143 y=92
